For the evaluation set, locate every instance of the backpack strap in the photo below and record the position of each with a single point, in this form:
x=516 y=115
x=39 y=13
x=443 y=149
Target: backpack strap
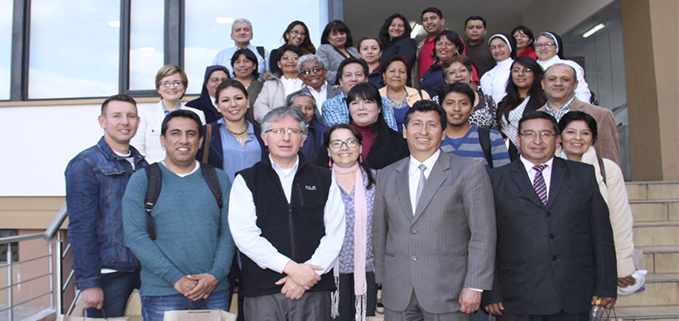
x=484 y=139
x=210 y=175
x=602 y=169
x=260 y=49
x=208 y=137
x=154 y=182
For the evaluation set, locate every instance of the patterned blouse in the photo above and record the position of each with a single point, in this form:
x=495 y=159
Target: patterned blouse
x=346 y=255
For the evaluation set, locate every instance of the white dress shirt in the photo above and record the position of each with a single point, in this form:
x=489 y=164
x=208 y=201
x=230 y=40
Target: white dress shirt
x=546 y=173
x=414 y=175
x=247 y=235
x=320 y=96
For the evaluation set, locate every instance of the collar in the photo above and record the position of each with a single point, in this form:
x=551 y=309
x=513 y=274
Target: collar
x=324 y=87
x=566 y=107
x=429 y=162
x=529 y=165
x=277 y=168
x=550 y=61
x=105 y=149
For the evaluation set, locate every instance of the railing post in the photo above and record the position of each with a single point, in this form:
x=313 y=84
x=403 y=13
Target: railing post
x=10 y=284
x=50 y=249
x=58 y=276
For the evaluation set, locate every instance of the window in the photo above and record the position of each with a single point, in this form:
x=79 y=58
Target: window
x=146 y=43
x=6 y=8
x=74 y=49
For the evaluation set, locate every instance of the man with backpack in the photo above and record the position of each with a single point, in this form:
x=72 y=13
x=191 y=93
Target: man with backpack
x=465 y=139
x=242 y=34
x=176 y=223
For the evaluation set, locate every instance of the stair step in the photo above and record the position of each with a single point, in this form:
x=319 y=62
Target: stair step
x=652 y=190
x=660 y=259
x=661 y=290
x=665 y=312
x=655 y=210
x=656 y=234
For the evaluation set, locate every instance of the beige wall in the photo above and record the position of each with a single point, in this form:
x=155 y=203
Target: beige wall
x=560 y=16
x=651 y=40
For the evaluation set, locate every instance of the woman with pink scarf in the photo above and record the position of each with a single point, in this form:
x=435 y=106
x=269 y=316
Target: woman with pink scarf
x=356 y=294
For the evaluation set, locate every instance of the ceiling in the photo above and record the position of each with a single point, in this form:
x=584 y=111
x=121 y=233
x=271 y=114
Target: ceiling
x=365 y=18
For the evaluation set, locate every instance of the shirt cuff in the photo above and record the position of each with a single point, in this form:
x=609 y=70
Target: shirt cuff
x=477 y=290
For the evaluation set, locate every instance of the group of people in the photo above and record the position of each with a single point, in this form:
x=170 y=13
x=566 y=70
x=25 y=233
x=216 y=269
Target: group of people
x=312 y=177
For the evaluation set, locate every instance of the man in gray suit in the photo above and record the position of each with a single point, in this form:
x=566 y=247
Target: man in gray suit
x=433 y=227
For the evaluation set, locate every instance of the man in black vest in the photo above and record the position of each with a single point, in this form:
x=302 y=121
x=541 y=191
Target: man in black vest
x=288 y=222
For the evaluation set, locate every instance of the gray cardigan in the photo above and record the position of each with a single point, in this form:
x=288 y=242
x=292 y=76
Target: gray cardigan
x=332 y=59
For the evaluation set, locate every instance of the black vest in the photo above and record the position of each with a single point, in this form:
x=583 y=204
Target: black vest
x=294 y=229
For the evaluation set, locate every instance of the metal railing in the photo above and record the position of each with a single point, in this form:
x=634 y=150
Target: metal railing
x=54 y=274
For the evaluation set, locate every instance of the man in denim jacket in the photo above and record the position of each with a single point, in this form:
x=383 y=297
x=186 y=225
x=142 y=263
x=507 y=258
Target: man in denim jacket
x=105 y=270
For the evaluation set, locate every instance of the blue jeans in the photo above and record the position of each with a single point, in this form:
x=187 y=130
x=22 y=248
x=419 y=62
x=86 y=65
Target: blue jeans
x=117 y=288
x=153 y=307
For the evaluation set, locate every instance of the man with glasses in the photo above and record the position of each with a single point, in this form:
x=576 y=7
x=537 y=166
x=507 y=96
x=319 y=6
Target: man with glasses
x=555 y=252
x=559 y=84
x=288 y=222
x=312 y=72
x=241 y=34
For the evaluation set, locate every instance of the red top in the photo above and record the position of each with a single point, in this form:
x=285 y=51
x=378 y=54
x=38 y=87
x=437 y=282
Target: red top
x=425 y=59
x=529 y=51
x=368 y=138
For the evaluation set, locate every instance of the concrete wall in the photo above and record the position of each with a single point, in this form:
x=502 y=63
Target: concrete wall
x=560 y=16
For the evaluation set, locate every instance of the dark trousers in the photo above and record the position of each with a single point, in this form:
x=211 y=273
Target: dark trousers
x=561 y=316
x=117 y=288
x=312 y=306
x=347 y=308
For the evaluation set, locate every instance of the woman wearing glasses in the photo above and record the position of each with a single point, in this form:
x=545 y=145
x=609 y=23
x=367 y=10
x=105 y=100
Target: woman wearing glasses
x=278 y=86
x=549 y=49
x=356 y=294
x=214 y=75
x=296 y=34
x=524 y=94
x=524 y=42
x=171 y=83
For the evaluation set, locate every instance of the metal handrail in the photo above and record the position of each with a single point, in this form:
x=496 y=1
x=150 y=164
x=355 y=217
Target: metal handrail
x=52 y=230
x=19 y=238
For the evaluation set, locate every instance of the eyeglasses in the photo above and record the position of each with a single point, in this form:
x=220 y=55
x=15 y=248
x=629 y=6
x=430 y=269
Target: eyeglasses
x=298 y=33
x=520 y=36
x=531 y=135
x=518 y=70
x=313 y=70
x=546 y=45
x=293 y=58
x=282 y=131
x=337 y=144
x=168 y=84
x=217 y=79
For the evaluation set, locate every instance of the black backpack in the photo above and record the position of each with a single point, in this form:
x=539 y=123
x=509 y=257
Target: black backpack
x=484 y=139
x=155 y=180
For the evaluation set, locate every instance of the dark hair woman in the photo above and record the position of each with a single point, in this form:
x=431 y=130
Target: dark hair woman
x=244 y=64
x=524 y=42
x=395 y=71
x=370 y=50
x=336 y=45
x=214 y=75
x=296 y=34
x=524 y=94
x=395 y=35
x=447 y=44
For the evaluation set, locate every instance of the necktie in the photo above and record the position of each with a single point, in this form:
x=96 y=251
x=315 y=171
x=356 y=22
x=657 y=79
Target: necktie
x=420 y=186
x=539 y=183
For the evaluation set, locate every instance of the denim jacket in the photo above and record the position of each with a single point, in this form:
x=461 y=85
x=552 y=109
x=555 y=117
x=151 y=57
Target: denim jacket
x=95 y=183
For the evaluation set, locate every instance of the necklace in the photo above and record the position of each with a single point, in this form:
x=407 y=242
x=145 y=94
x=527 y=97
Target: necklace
x=241 y=133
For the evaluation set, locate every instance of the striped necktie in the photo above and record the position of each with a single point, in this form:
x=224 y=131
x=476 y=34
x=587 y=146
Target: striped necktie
x=539 y=183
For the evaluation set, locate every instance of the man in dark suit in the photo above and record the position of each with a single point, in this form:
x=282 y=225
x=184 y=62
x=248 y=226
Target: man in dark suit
x=433 y=226
x=555 y=253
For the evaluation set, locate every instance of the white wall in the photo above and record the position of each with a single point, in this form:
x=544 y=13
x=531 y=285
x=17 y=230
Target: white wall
x=39 y=142
x=559 y=15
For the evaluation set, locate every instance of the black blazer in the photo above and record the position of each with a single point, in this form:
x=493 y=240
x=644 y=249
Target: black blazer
x=555 y=257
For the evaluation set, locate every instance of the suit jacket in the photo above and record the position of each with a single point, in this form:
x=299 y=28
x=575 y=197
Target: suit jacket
x=607 y=144
x=449 y=243
x=554 y=257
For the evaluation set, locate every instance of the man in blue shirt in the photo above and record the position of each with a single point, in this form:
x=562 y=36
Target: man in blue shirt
x=351 y=71
x=464 y=138
x=105 y=270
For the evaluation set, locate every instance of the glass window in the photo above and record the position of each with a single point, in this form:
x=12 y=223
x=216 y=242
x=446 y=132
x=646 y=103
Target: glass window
x=146 y=43
x=6 y=9
x=208 y=28
x=74 y=48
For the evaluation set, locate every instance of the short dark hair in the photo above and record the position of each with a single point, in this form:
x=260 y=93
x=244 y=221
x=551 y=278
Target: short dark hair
x=457 y=87
x=464 y=60
x=435 y=10
x=392 y=59
x=359 y=137
x=339 y=26
x=350 y=60
x=118 y=97
x=287 y=47
x=425 y=106
x=475 y=18
x=572 y=116
x=540 y=115
x=183 y=113
x=379 y=43
x=249 y=55
x=453 y=37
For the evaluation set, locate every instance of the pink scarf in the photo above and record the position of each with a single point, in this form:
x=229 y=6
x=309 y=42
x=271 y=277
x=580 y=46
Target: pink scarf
x=360 y=245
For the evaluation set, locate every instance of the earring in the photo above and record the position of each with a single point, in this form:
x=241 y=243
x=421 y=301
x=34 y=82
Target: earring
x=360 y=159
x=330 y=162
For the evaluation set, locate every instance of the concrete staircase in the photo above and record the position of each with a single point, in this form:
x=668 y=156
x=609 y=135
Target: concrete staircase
x=655 y=206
